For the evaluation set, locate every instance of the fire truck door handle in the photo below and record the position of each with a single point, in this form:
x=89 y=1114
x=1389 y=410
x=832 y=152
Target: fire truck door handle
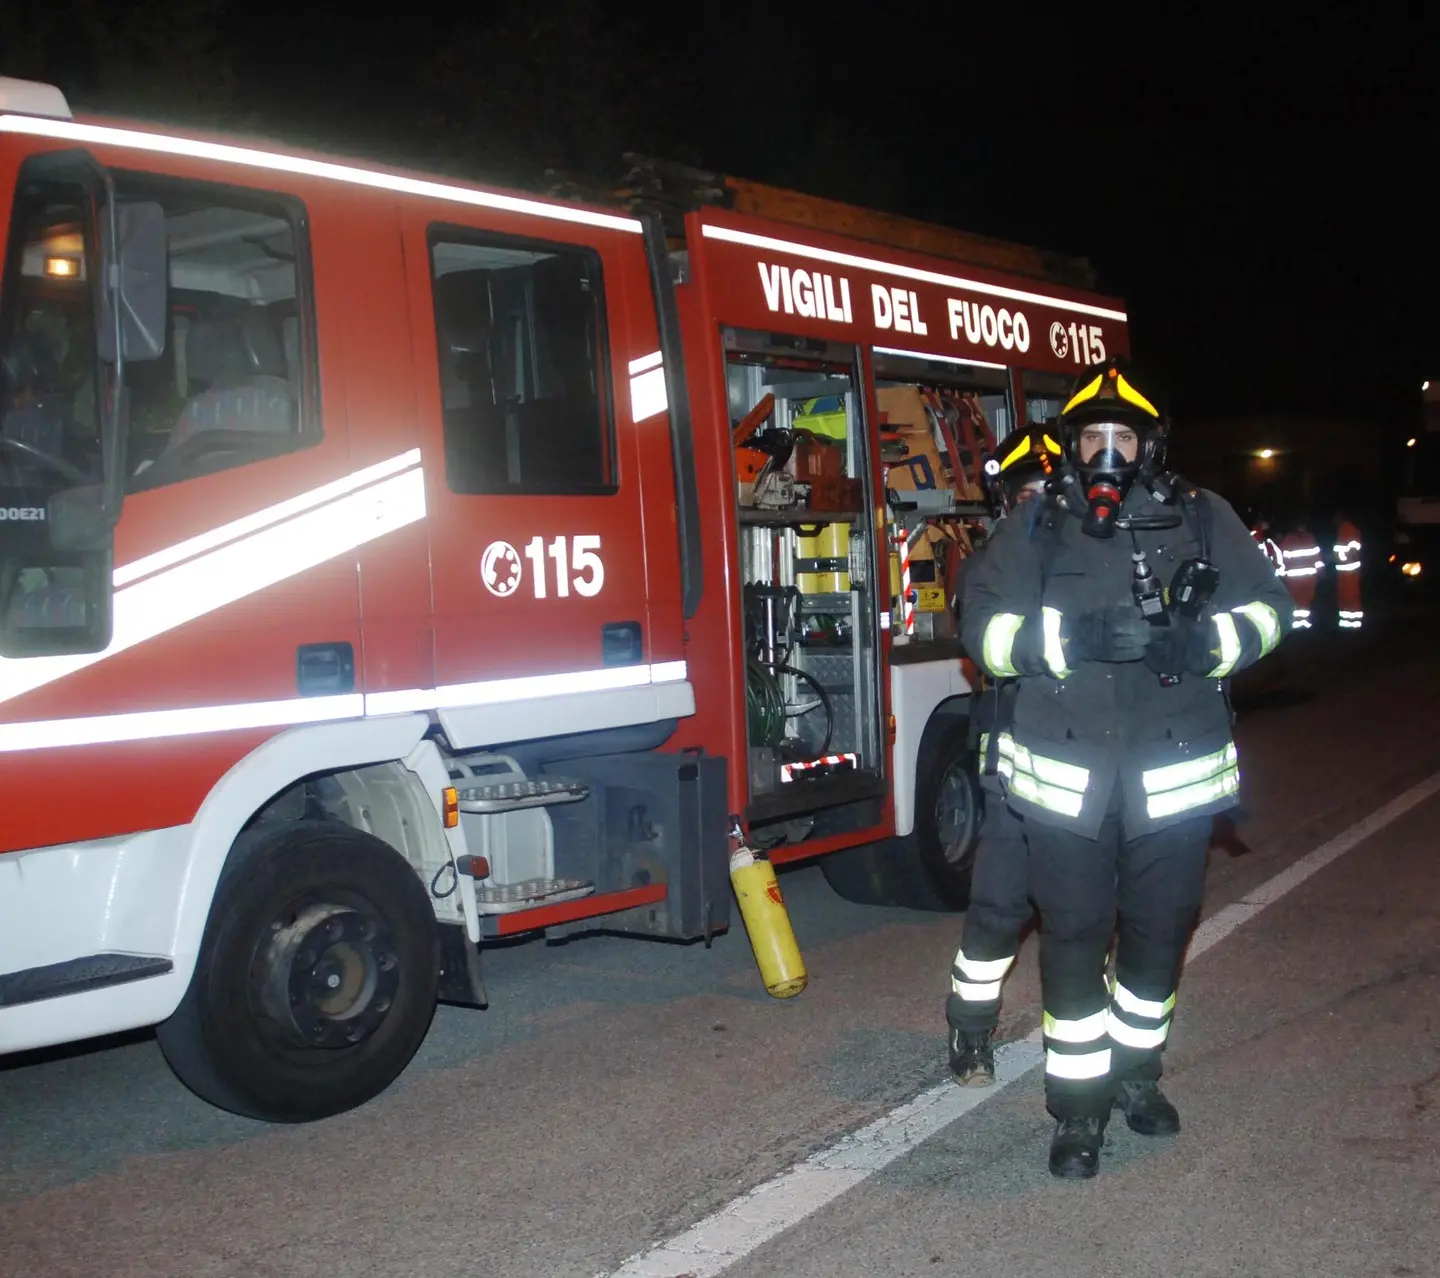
x=620 y=643
x=324 y=669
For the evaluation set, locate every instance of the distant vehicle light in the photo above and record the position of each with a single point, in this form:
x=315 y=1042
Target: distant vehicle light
x=1267 y=453
x=1424 y=386
x=1392 y=559
x=1411 y=569
x=1410 y=443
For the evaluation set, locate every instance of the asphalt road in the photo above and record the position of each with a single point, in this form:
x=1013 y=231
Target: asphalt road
x=617 y=1091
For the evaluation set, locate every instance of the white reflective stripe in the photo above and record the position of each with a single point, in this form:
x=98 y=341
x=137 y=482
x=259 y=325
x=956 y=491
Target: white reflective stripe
x=1050 y=620
x=1302 y=612
x=249 y=157
x=1302 y=623
x=194 y=720
x=241 y=527
x=1348 y=567
x=999 y=641
x=1229 y=645
x=1077 y=1068
x=648 y=395
x=1346 y=624
x=1128 y=1036
x=971 y=992
x=1048 y=783
x=1344 y=547
x=1306 y=552
x=1055 y=772
x=796 y=249
x=237 y=567
x=1046 y=796
x=1265 y=619
x=1137 y=1006
x=1156 y=780
x=983 y=969
x=646 y=362
x=1354 y=615
x=1300 y=572
x=1193 y=796
x=1086 y=1029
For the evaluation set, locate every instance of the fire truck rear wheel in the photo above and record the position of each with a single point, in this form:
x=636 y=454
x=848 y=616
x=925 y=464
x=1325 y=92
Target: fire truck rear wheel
x=929 y=868
x=317 y=976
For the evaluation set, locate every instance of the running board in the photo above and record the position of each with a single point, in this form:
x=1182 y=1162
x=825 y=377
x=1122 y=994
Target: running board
x=78 y=975
x=597 y=905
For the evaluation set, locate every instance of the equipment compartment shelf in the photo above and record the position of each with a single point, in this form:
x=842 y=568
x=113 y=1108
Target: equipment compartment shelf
x=754 y=515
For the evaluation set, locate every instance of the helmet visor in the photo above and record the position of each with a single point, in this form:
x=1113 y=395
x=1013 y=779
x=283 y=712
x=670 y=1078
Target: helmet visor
x=1106 y=444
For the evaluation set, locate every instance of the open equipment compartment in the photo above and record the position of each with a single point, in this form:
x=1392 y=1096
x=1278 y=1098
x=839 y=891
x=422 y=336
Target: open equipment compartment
x=805 y=507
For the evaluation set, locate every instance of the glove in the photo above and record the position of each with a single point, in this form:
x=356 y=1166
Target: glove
x=1183 y=647
x=1118 y=633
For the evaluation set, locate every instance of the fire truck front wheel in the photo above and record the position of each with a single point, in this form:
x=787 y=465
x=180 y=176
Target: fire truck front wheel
x=929 y=868
x=317 y=977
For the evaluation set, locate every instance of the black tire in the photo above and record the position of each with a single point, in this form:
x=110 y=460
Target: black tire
x=929 y=868
x=301 y=910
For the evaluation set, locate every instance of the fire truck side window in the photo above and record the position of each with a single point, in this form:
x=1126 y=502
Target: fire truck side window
x=235 y=381
x=520 y=337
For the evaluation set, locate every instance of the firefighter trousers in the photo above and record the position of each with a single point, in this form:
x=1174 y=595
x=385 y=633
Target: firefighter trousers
x=1097 y=1033
x=1000 y=907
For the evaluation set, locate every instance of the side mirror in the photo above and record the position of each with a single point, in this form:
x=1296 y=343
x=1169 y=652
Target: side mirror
x=140 y=272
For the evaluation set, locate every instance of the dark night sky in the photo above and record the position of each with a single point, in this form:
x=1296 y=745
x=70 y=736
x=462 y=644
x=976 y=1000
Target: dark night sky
x=1256 y=188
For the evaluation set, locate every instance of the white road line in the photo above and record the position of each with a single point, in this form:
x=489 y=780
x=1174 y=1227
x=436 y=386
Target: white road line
x=728 y=1235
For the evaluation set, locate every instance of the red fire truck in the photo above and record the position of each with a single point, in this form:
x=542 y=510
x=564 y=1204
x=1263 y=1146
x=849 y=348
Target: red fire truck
x=379 y=576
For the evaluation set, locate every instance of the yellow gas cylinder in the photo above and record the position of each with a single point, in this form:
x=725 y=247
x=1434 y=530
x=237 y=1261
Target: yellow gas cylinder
x=768 y=923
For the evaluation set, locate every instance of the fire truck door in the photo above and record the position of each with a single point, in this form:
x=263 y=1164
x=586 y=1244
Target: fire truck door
x=546 y=580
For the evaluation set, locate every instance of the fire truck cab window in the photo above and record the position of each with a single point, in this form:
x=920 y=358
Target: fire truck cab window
x=234 y=382
x=520 y=339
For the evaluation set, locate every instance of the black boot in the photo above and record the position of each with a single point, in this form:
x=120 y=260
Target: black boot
x=1075 y=1147
x=972 y=1058
x=1146 y=1110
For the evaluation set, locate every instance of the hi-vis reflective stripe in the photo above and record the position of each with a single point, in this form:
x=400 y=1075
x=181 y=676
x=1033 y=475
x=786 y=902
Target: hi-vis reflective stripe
x=150 y=725
x=168 y=589
x=1047 y=783
x=796 y=249
x=647 y=386
x=1137 y=1006
x=1264 y=618
x=1348 y=567
x=1229 y=645
x=999 y=642
x=1077 y=1067
x=249 y=157
x=1128 y=1035
x=1178 y=787
x=1088 y=1029
x=1050 y=620
x=978 y=980
x=1305 y=552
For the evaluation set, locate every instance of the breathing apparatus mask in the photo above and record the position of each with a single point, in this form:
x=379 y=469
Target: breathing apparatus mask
x=1113 y=436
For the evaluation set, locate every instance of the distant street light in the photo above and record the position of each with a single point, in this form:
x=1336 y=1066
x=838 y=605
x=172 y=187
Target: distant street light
x=1267 y=453
x=1410 y=443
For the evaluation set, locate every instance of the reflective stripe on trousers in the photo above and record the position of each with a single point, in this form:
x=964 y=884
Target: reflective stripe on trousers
x=1077 y=1050
x=978 y=980
x=1178 y=787
x=1135 y=1022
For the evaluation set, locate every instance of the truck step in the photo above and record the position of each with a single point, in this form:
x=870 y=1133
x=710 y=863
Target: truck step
x=512 y=796
x=508 y=898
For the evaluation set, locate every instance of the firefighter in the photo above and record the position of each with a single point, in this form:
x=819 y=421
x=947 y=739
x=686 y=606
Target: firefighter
x=1261 y=533
x=1302 y=561
x=1118 y=750
x=1347 y=574
x=1000 y=903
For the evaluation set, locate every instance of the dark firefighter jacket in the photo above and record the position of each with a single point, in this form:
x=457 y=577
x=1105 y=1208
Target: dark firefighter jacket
x=1080 y=727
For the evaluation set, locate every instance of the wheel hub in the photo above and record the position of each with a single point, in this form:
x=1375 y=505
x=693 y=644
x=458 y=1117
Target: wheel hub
x=955 y=814
x=328 y=975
